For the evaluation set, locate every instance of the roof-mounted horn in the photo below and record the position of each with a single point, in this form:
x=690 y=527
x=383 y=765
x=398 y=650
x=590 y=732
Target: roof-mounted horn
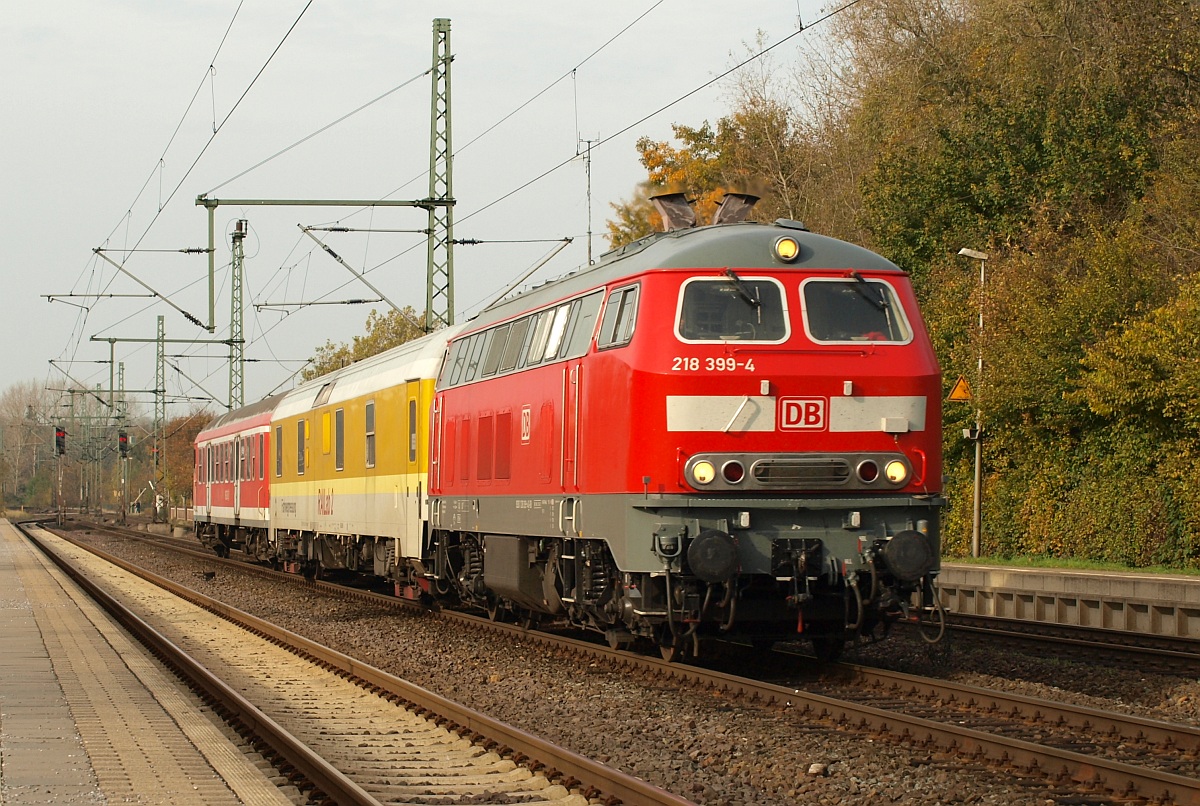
x=735 y=207
x=675 y=209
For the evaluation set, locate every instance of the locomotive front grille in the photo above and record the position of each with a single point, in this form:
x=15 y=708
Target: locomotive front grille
x=801 y=472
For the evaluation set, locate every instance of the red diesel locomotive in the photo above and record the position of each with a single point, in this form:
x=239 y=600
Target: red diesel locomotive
x=730 y=430
x=722 y=431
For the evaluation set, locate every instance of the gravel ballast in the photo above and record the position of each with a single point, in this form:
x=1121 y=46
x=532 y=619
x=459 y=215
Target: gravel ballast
x=703 y=746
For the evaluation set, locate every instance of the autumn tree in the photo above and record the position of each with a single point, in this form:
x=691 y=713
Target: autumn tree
x=179 y=436
x=1060 y=138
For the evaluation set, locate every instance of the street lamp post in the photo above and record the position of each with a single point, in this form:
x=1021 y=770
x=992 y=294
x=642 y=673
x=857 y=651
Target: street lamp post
x=977 y=432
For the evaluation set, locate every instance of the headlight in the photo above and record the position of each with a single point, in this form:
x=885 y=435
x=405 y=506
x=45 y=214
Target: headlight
x=896 y=472
x=703 y=472
x=787 y=249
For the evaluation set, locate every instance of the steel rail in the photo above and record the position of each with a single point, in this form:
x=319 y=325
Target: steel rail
x=1117 y=777
x=1085 y=637
x=525 y=748
x=325 y=777
x=1185 y=737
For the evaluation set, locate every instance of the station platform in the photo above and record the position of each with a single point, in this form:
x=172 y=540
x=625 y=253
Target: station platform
x=88 y=716
x=1164 y=605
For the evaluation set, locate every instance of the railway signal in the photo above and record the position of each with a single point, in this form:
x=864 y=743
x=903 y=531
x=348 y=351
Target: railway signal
x=60 y=440
x=123 y=443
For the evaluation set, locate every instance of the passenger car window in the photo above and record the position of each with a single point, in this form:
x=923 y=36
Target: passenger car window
x=732 y=308
x=853 y=310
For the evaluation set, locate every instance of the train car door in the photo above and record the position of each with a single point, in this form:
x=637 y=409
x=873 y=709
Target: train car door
x=414 y=490
x=239 y=462
x=572 y=387
x=206 y=460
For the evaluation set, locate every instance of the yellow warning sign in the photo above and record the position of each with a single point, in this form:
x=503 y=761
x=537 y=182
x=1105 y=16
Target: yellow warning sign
x=961 y=393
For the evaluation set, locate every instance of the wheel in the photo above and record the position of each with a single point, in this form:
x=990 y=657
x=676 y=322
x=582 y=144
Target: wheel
x=495 y=611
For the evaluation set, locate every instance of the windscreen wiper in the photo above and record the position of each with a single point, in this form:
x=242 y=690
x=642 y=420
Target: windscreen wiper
x=743 y=289
x=860 y=285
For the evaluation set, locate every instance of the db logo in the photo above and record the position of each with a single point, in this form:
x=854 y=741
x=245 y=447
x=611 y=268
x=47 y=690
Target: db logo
x=802 y=413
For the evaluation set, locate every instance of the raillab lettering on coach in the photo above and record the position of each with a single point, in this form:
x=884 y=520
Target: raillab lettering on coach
x=324 y=501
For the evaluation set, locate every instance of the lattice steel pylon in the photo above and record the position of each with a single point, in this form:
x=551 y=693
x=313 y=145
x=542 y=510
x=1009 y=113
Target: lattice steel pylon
x=237 y=345
x=439 y=287
x=160 y=400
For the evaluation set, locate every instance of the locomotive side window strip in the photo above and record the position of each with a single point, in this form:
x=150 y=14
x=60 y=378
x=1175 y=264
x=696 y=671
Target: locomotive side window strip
x=852 y=310
x=278 y=451
x=516 y=341
x=370 y=418
x=478 y=342
x=452 y=368
x=582 y=325
x=557 y=329
x=616 y=329
x=339 y=444
x=561 y=332
x=541 y=331
x=496 y=351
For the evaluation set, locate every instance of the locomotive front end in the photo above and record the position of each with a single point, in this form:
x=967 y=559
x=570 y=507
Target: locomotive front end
x=796 y=490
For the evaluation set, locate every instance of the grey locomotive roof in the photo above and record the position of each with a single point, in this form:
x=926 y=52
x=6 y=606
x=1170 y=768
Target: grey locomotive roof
x=739 y=246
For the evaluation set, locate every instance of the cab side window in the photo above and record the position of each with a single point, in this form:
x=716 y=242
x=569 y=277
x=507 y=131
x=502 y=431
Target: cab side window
x=620 y=315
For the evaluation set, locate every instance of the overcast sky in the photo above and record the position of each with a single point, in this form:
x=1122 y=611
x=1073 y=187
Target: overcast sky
x=108 y=138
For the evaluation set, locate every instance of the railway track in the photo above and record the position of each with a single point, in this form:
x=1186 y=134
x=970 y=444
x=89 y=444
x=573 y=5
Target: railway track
x=1131 y=649
x=355 y=734
x=1078 y=750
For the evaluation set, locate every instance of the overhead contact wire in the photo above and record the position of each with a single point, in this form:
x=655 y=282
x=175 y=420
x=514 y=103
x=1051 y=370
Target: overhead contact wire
x=663 y=108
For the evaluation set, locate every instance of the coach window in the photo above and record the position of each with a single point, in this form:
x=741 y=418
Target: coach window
x=537 y=343
x=262 y=457
x=732 y=308
x=852 y=310
x=301 y=446
x=339 y=451
x=412 y=429
x=323 y=395
x=496 y=350
x=278 y=451
x=326 y=432
x=620 y=314
x=370 y=417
